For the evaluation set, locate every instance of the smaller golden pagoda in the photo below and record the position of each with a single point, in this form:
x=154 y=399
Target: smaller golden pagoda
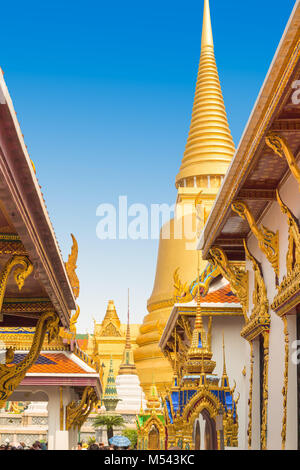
x=199 y=354
x=109 y=339
x=196 y=397
x=151 y=423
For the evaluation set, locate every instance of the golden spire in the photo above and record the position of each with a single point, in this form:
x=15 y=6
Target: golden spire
x=224 y=359
x=209 y=147
x=153 y=402
x=111 y=315
x=199 y=354
x=128 y=344
x=225 y=381
x=175 y=374
x=127 y=366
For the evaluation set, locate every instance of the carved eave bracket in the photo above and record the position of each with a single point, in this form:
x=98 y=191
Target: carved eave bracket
x=78 y=411
x=21 y=267
x=281 y=148
x=237 y=277
x=259 y=320
x=11 y=375
x=185 y=325
x=288 y=292
x=268 y=241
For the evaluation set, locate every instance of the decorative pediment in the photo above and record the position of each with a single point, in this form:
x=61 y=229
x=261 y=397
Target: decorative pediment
x=110 y=330
x=237 y=277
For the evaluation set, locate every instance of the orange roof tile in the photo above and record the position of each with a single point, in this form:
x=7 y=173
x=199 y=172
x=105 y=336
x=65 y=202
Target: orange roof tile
x=222 y=295
x=82 y=343
x=52 y=363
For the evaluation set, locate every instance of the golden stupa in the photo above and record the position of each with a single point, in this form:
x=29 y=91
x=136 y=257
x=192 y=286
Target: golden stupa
x=208 y=152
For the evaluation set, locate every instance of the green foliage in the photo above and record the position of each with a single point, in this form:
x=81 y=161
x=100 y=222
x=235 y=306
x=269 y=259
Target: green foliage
x=131 y=434
x=109 y=421
x=91 y=440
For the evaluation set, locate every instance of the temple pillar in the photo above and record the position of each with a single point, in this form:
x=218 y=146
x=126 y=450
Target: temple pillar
x=58 y=437
x=202 y=423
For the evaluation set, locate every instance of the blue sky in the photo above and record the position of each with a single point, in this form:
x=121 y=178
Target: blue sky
x=104 y=94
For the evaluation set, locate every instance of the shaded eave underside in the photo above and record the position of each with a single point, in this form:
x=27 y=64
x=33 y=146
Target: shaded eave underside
x=21 y=194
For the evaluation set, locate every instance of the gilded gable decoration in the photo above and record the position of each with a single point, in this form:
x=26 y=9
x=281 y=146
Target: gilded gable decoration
x=237 y=277
x=185 y=293
x=110 y=330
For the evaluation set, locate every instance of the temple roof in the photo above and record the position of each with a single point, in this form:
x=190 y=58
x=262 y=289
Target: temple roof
x=58 y=369
x=26 y=228
x=222 y=295
x=55 y=363
x=82 y=341
x=20 y=340
x=142 y=419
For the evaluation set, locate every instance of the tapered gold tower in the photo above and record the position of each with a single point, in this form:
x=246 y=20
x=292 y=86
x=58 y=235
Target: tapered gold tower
x=208 y=152
x=209 y=147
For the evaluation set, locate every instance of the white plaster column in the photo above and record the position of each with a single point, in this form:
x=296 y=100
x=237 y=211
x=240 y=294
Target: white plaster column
x=292 y=402
x=202 y=432
x=53 y=416
x=60 y=439
x=256 y=398
x=276 y=372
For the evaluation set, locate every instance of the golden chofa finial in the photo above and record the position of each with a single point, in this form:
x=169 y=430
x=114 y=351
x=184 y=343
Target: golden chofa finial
x=71 y=266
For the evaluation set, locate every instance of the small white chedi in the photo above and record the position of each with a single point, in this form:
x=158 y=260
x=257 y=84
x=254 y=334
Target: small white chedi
x=130 y=393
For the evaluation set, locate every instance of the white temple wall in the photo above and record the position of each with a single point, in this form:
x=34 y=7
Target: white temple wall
x=255 y=442
x=57 y=439
x=292 y=399
x=235 y=361
x=275 y=220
